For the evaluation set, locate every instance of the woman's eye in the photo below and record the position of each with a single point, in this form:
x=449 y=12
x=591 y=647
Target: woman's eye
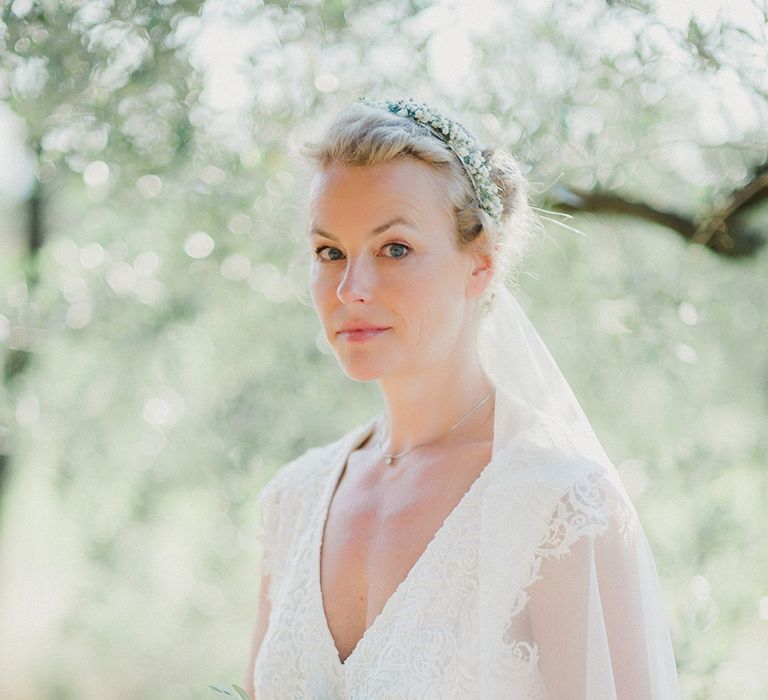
x=397 y=250
x=322 y=248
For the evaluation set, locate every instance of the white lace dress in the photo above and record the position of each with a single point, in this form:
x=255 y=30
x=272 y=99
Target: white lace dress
x=539 y=584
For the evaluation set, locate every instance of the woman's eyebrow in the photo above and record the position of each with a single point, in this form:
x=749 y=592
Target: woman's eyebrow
x=317 y=231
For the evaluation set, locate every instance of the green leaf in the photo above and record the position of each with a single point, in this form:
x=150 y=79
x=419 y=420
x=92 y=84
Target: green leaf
x=228 y=690
x=241 y=692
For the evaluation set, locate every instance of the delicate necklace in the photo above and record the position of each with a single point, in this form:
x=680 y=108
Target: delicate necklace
x=391 y=458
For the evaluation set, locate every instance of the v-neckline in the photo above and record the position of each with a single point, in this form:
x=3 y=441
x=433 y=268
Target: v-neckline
x=419 y=563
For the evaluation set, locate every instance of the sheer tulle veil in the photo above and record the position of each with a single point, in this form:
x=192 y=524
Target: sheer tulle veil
x=520 y=364
x=564 y=489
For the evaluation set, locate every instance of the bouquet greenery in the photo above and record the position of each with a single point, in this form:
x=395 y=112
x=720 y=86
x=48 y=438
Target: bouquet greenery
x=233 y=690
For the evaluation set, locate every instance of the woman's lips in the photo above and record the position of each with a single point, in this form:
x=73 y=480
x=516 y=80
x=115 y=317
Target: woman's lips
x=362 y=335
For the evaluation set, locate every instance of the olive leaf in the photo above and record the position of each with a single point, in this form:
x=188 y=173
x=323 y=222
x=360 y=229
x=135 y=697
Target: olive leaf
x=228 y=690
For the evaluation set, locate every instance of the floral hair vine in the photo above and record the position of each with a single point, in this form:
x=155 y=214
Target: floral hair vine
x=459 y=141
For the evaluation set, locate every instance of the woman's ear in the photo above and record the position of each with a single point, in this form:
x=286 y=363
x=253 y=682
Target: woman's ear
x=481 y=275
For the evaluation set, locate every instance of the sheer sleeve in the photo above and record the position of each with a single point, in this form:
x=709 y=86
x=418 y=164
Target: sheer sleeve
x=280 y=515
x=269 y=531
x=596 y=613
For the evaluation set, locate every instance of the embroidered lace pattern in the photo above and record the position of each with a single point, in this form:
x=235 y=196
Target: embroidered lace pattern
x=426 y=642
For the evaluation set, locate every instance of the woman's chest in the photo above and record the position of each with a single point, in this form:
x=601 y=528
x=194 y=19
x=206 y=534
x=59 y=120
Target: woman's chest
x=374 y=536
x=423 y=642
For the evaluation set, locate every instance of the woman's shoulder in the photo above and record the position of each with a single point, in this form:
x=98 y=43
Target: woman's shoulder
x=308 y=469
x=547 y=464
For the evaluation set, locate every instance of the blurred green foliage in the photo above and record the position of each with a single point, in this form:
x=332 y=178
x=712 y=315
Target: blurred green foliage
x=174 y=362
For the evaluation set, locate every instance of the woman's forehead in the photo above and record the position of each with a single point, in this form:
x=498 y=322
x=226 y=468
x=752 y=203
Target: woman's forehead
x=400 y=187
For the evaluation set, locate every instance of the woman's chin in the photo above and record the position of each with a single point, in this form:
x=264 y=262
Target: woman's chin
x=361 y=373
x=361 y=370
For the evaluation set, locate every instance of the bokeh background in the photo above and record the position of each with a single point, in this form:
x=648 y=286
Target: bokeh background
x=160 y=359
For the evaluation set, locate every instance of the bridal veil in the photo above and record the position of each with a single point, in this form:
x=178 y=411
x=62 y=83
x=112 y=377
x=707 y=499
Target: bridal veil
x=559 y=531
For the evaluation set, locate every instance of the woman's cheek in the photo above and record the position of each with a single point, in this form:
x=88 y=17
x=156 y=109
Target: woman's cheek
x=322 y=286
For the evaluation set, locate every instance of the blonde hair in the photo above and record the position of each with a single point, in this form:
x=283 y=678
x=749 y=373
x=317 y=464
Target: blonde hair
x=364 y=135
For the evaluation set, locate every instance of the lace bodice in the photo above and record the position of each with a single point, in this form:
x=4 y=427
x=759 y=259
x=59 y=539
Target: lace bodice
x=483 y=611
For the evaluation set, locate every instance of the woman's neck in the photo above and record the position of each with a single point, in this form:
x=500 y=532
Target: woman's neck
x=422 y=408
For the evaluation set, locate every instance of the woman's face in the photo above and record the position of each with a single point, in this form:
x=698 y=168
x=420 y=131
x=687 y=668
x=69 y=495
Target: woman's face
x=385 y=256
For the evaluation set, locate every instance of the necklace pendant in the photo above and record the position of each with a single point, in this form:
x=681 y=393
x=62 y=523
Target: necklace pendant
x=389 y=459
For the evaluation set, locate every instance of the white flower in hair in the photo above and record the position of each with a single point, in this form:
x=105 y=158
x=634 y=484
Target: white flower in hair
x=459 y=141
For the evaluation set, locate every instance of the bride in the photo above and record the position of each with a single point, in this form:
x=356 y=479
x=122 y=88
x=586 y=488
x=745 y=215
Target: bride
x=473 y=539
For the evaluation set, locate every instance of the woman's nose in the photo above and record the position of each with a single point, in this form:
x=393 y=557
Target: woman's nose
x=357 y=283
